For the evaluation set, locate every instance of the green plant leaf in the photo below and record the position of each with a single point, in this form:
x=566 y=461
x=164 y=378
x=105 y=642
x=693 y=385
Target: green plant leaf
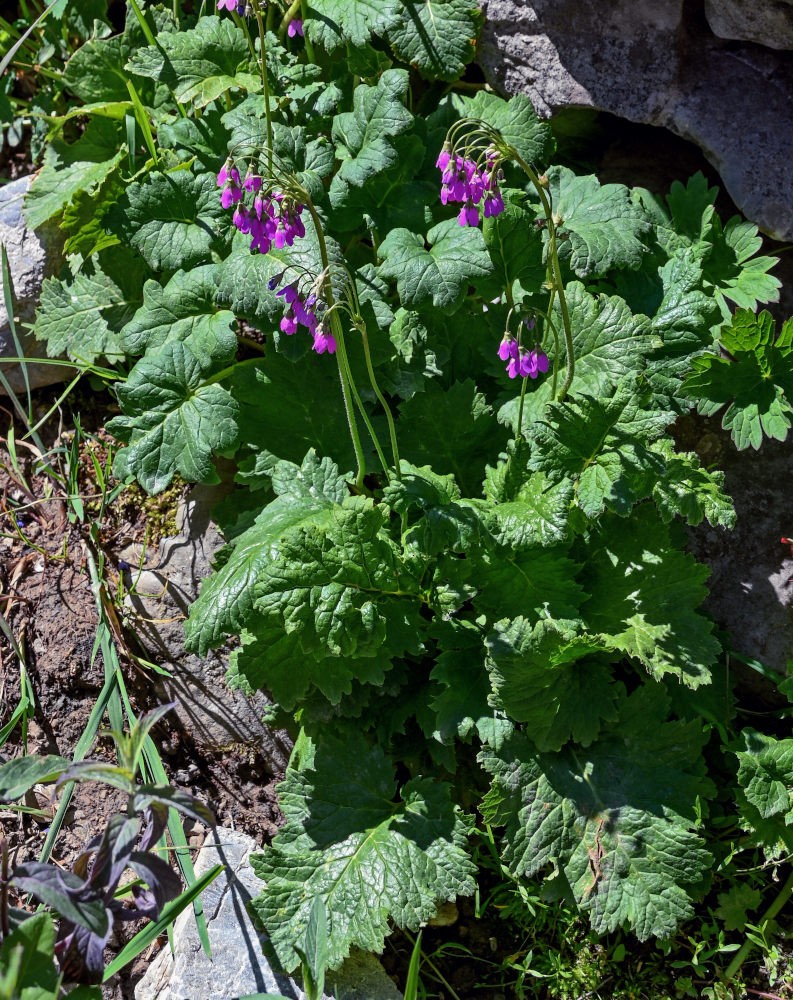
x=437 y=37
x=733 y=272
x=765 y=774
x=462 y=700
x=615 y=819
x=452 y=431
x=335 y=22
x=70 y=169
x=530 y=509
x=515 y=245
x=518 y=124
x=243 y=276
x=689 y=490
x=757 y=384
x=364 y=136
x=609 y=343
x=547 y=677
x=645 y=593
x=369 y=856
x=37 y=977
x=174 y=419
x=19 y=775
x=600 y=227
x=340 y=584
x=278 y=418
x=82 y=315
x=172 y=219
x=198 y=64
x=183 y=309
x=736 y=904
x=538 y=583
x=442 y=274
x=305 y=493
x=602 y=445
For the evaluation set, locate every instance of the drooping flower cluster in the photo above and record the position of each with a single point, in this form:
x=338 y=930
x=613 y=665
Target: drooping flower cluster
x=303 y=311
x=272 y=220
x=472 y=184
x=527 y=364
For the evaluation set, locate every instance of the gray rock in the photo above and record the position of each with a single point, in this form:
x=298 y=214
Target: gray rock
x=238 y=966
x=656 y=62
x=749 y=594
x=161 y=595
x=767 y=22
x=32 y=257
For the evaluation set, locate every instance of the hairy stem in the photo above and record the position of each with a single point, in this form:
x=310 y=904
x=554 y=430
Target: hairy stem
x=558 y=282
x=341 y=354
x=341 y=346
x=383 y=403
x=265 y=84
x=306 y=39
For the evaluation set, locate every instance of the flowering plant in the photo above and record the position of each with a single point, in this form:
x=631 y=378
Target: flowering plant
x=454 y=541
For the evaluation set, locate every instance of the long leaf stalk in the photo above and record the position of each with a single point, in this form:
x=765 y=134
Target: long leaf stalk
x=265 y=83
x=558 y=281
x=341 y=352
x=386 y=408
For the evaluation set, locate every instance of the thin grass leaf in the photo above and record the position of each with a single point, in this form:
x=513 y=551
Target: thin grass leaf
x=153 y=930
x=82 y=748
x=412 y=982
x=157 y=775
x=15 y=48
x=143 y=121
x=9 y=304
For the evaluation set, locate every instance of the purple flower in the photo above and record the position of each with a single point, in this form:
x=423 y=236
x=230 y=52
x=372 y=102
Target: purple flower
x=295 y=28
x=469 y=215
x=528 y=363
x=513 y=368
x=542 y=362
x=231 y=6
x=464 y=180
x=20 y=522
x=289 y=324
x=508 y=348
x=324 y=340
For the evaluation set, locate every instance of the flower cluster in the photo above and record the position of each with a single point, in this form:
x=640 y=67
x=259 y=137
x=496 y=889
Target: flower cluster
x=463 y=180
x=303 y=312
x=527 y=364
x=273 y=220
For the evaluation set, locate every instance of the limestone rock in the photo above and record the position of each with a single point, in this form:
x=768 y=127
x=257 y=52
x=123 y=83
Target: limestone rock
x=161 y=594
x=767 y=22
x=238 y=966
x=32 y=257
x=657 y=62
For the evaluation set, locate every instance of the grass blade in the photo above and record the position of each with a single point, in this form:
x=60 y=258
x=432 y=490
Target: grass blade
x=412 y=982
x=153 y=930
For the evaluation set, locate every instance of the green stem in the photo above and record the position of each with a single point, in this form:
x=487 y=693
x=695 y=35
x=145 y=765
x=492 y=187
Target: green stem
x=743 y=952
x=265 y=85
x=383 y=403
x=341 y=353
x=557 y=272
x=306 y=39
x=520 y=410
x=341 y=350
x=293 y=9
